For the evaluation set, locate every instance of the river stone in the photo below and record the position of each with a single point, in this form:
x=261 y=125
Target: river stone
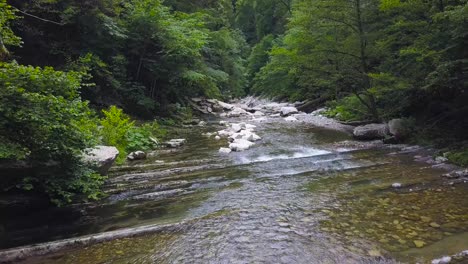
x=396 y=185
x=236 y=128
x=137 y=155
x=101 y=157
x=175 y=143
x=443 y=260
x=291 y=119
x=240 y=145
x=289 y=110
x=217 y=138
x=225 y=106
x=371 y=131
x=225 y=150
x=456 y=174
x=236 y=112
x=419 y=243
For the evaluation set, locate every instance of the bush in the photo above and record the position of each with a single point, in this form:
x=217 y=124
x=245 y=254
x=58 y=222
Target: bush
x=117 y=129
x=459 y=157
x=45 y=123
x=347 y=109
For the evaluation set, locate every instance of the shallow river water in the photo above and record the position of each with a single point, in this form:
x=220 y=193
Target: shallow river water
x=298 y=196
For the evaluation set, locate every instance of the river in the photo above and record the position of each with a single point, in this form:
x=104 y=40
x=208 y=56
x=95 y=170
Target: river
x=299 y=195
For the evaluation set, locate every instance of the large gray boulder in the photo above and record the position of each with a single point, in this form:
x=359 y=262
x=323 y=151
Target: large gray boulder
x=101 y=158
x=371 y=131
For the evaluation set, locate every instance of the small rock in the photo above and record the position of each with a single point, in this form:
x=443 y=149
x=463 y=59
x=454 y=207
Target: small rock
x=289 y=110
x=225 y=150
x=217 y=138
x=236 y=128
x=443 y=260
x=419 y=243
x=240 y=145
x=440 y=159
x=291 y=119
x=434 y=224
x=175 y=143
x=425 y=219
x=137 y=155
x=202 y=123
x=396 y=185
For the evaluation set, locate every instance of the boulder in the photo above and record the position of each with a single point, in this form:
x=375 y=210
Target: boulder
x=240 y=145
x=288 y=110
x=137 y=155
x=258 y=113
x=371 y=131
x=101 y=157
x=175 y=143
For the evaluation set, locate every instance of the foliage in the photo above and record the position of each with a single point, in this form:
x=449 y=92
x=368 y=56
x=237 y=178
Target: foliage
x=459 y=157
x=42 y=121
x=114 y=129
x=117 y=129
x=7 y=36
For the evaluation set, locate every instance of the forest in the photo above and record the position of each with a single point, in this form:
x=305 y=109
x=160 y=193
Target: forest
x=79 y=73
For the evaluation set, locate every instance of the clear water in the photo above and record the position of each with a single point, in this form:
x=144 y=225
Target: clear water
x=296 y=197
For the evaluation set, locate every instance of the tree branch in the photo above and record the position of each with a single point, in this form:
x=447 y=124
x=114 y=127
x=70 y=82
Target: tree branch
x=36 y=17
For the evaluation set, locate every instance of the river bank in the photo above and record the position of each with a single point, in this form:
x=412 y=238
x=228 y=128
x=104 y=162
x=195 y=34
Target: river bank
x=299 y=192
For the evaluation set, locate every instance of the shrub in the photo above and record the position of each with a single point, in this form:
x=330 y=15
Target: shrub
x=115 y=127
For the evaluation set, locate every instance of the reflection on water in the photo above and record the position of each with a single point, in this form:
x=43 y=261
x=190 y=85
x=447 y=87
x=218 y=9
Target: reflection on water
x=293 y=198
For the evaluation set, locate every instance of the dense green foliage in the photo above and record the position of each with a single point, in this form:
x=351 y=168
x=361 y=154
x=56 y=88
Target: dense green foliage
x=43 y=120
x=374 y=59
x=363 y=59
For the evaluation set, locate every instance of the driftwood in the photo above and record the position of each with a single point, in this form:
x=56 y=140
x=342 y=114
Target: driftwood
x=20 y=253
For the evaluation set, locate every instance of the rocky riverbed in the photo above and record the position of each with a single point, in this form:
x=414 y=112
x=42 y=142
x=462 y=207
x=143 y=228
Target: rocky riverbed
x=304 y=191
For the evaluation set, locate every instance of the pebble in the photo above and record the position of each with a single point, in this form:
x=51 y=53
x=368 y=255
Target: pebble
x=396 y=185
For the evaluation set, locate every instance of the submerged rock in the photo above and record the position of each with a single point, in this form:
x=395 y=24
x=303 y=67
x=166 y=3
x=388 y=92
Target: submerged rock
x=371 y=131
x=101 y=157
x=419 y=243
x=137 y=155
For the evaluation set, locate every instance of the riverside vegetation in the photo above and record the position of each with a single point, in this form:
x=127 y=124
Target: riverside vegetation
x=76 y=74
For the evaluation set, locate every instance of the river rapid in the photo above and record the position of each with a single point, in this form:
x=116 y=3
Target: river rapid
x=302 y=194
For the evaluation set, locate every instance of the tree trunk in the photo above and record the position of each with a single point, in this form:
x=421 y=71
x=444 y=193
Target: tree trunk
x=371 y=105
